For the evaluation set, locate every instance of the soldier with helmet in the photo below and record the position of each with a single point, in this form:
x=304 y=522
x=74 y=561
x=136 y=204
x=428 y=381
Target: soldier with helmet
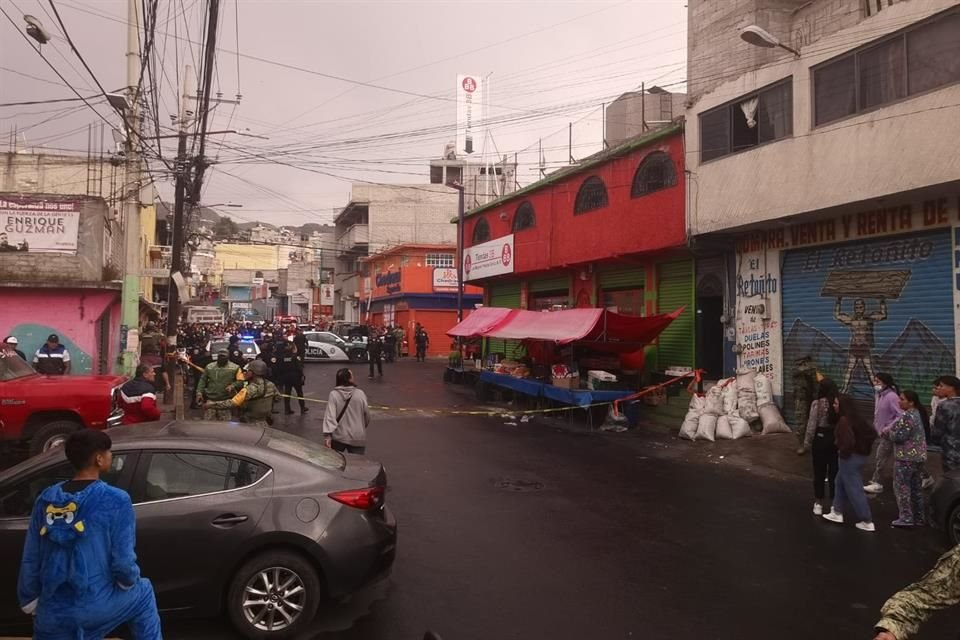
x=216 y=384
x=255 y=399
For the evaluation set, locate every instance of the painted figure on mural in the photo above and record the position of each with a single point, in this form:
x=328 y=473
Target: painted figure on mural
x=861 y=324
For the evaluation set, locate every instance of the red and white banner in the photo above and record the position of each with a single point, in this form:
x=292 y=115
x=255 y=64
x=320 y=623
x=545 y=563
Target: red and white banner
x=492 y=258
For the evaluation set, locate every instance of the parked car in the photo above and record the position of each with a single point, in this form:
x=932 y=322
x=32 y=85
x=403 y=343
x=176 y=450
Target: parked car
x=41 y=411
x=266 y=524
x=325 y=346
x=248 y=346
x=945 y=506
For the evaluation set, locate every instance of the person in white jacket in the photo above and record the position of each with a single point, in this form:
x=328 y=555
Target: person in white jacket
x=347 y=417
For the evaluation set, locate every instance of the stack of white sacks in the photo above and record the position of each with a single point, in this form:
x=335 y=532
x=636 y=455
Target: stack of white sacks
x=731 y=406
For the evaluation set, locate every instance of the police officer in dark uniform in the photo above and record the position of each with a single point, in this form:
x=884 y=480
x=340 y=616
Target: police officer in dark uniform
x=236 y=354
x=375 y=353
x=291 y=376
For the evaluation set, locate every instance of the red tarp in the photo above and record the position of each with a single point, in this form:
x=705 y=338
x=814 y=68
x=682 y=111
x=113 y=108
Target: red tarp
x=480 y=321
x=594 y=325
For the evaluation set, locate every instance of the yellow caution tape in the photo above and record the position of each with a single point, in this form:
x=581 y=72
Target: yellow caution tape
x=459 y=412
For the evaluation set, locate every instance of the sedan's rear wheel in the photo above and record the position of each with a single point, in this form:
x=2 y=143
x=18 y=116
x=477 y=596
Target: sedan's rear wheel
x=953 y=526
x=273 y=595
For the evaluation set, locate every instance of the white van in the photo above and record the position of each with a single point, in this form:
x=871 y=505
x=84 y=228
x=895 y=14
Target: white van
x=204 y=315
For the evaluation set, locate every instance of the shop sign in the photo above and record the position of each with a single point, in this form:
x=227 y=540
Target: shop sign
x=758 y=321
x=444 y=279
x=469 y=111
x=326 y=294
x=491 y=258
x=36 y=224
x=868 y=223
x=389 y=280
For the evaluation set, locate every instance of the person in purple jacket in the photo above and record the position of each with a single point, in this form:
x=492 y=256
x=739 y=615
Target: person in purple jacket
x=886 y=411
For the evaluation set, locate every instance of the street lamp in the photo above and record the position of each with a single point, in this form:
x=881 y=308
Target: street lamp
x=760 y=37
x=35 y=30
x=223 y=204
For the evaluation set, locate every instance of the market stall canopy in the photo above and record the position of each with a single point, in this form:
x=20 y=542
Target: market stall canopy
x=480 y=321
x=571 y=325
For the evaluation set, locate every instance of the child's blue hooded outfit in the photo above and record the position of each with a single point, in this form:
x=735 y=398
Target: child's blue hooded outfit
x=79 y=572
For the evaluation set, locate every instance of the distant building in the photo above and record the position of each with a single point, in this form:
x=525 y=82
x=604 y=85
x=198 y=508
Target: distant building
x=380 y=216
x=635 y=113
x=416 y=283
x=482 y=182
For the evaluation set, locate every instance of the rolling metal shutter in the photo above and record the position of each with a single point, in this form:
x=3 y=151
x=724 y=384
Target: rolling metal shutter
x=505 y=294
x=622 y=278
x=914 y=343
x=559 y=283
x=675 y=289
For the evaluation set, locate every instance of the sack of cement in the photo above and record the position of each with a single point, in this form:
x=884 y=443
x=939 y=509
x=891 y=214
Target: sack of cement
x=688 y=430
x=747 y=395
x=729 y=395
x=707 y=427
x=772 y=420
x=723 y=428
x=714 y=401
x=739 y=427
x=764 y=388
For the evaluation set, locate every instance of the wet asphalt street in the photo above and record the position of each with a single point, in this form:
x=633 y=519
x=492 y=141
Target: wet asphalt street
x=539 y=532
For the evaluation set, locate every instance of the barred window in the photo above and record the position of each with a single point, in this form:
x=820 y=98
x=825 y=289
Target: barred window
x=440 y=260
x=592 y=196
x=481 y=231
x=524 y=217
x=654 y=173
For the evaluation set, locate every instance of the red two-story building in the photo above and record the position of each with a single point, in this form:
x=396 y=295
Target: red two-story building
x=609 y=232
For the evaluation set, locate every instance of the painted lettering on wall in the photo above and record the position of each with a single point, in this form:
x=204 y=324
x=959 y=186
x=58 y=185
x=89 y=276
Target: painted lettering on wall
x=390 y=280
x=758 y=313
x=893 y=219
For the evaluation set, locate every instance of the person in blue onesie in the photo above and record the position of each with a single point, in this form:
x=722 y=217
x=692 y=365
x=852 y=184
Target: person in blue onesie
x=79 y=575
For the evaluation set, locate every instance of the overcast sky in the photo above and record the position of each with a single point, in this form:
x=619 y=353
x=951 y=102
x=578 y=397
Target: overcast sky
x=549 y=63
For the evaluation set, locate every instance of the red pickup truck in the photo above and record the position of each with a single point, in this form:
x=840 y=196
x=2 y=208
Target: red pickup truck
x=41 y=411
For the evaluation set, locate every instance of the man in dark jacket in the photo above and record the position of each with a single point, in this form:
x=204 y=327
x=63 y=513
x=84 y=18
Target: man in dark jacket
x=375 y=353
x=423 y=341
x=52 y=359
x=139 y=396
x=288 y=375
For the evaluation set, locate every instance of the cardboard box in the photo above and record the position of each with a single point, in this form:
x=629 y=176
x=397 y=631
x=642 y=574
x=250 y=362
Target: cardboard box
x=566 y=383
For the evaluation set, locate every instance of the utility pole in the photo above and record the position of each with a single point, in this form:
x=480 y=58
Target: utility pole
x=132 y=199
x=182 y=167
x=461 y=250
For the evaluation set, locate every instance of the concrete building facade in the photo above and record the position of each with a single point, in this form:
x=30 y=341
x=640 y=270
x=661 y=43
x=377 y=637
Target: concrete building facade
x=830 y=183
x=379 y=216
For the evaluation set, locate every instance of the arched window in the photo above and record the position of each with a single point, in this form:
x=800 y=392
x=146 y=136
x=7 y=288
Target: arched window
x=481 y=231
x=654 y=173
x=592 y=195
x=524 y=217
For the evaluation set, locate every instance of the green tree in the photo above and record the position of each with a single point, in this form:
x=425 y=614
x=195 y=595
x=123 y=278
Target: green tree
x=225 y=229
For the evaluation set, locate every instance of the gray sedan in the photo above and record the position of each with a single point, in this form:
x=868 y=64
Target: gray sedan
x=252 y=520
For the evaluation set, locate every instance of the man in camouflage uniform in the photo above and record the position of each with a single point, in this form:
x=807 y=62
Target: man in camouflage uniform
x=216 y=385
x=908 y=609
x=255 y=399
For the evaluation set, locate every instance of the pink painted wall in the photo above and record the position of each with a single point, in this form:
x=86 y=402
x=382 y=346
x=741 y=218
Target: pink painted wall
x=73 y=314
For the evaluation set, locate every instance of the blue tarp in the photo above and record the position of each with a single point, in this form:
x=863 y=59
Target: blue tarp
x=573 y=397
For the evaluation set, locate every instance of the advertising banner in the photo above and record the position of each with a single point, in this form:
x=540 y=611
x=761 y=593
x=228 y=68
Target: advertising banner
x=492 y=258
x=444 y=279
x=36 y=225
x=469 y=112
x=326 y=295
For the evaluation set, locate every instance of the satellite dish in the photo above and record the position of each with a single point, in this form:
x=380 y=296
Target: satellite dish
x=35 y=29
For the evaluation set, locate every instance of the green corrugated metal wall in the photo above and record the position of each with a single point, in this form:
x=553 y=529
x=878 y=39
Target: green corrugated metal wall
x=560 y=283
x=622 y=278
x=505 y=294
x=675 y=289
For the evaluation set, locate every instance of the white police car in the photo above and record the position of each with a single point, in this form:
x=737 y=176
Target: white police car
x=323 y=346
